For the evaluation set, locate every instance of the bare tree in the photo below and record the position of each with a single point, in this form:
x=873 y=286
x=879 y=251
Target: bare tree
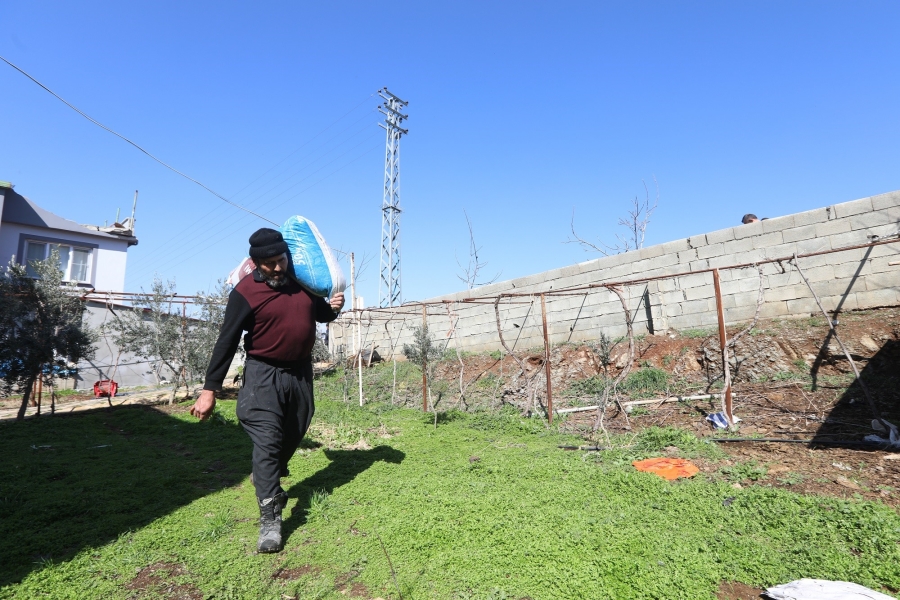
x=474 y=266
x=635 y=222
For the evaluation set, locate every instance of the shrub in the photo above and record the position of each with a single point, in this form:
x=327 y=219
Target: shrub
x=645 y=382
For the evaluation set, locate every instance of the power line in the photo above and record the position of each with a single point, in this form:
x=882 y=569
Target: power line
x=220 y=234
x=226 y=219
x=232 y=219
x=309 y=141
x=205 y=187
x=118 y=135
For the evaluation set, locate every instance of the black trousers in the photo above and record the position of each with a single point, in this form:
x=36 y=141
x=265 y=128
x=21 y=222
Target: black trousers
x=275 y=407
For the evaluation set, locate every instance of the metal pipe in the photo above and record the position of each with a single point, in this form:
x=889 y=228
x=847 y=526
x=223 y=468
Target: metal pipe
x=811 y=442
x=660 y=401
x=547 y=361
x=424 y=363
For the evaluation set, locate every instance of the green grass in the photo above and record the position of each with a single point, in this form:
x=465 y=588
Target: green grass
x=698 y=333
x=483 y=506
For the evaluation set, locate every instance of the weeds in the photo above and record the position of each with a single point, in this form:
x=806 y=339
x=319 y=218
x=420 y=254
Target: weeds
x=592 y=386
x=602 y=348
x=319 y=506
x=739 y=472
x=792 y=479
x=217 y=526
x=646 y=382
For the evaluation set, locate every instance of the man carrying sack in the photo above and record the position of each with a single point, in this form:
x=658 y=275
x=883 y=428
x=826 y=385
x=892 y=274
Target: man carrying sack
x=275 y=403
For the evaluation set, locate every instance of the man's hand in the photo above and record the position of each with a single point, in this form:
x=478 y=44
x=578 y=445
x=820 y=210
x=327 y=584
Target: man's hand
x=337 y=302
x=204 y=405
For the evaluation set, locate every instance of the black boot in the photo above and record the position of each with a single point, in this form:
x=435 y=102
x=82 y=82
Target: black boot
x=270 y=523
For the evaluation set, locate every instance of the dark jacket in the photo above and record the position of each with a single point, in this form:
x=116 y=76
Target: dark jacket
x=280 y=325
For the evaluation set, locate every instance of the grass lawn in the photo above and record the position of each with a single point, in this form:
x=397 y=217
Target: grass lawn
x=137 y=503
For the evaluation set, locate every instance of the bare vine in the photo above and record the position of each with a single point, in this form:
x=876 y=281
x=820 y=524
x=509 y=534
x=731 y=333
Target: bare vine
x=613 y=387
x=528 y=383
x=454 y=319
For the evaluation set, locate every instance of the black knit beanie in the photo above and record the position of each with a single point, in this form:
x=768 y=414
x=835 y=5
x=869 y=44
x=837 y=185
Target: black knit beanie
x=266 y=243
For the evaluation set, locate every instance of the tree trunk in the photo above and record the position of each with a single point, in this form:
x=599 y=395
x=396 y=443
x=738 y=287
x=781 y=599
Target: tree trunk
x=26 y=396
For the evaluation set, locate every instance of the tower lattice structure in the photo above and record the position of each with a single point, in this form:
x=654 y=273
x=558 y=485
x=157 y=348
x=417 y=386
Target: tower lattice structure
x=390 y=290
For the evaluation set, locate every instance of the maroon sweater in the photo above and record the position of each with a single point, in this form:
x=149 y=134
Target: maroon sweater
x=280 y=325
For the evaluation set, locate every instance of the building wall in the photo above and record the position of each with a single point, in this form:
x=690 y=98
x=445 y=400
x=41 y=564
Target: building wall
x=126 y=369
x=846 y=280
x=108 y=261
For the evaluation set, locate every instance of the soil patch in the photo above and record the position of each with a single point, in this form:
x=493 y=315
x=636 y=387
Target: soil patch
x=735 y=590
x=345 y=584
x=295 y=573
x=154 y=580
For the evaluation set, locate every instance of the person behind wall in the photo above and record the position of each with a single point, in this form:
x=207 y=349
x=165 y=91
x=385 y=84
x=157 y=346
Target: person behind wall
x=749 y=218
x=275 y=404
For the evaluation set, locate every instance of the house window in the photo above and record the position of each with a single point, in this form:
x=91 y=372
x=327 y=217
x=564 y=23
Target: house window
x=74 y=262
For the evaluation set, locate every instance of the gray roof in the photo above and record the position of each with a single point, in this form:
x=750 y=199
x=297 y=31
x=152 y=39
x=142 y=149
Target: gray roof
x=21 y=210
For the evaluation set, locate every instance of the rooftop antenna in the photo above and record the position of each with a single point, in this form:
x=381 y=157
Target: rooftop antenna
x=133 y=207
x=390 y=292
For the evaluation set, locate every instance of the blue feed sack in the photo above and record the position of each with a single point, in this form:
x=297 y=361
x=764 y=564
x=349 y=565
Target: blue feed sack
x=315 y=266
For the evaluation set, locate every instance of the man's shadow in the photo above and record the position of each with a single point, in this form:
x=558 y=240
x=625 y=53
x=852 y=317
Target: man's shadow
x=851 y=417
x=80 y=480
x=344 y=467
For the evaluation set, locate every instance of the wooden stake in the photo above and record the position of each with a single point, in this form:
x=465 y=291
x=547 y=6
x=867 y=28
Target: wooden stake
x=40 y=391
x=547 y=361
x=723 y=344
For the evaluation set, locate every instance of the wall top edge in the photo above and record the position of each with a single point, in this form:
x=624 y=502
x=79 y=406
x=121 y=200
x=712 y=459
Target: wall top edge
x=607 y=262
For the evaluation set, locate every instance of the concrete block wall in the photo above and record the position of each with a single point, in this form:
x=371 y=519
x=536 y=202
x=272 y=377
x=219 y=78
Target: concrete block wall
x=847 y=280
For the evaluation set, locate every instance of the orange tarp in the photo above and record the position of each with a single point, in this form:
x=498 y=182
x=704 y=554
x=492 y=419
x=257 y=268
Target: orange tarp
x=667 y=468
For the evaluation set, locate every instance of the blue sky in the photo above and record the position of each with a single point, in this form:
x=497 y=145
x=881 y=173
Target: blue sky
x=520 y=113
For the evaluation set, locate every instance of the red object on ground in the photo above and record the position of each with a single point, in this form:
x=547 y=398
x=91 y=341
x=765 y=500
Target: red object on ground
x=667 y=468
x=105 y=387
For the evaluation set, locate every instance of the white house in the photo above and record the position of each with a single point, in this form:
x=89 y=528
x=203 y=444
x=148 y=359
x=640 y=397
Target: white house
x=93 y=257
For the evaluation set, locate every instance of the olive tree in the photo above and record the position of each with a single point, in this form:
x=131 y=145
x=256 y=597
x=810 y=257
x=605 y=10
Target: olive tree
x=159 y=329
x=41 y=325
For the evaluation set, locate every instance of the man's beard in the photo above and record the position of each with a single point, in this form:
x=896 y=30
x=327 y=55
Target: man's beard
x=275 y=283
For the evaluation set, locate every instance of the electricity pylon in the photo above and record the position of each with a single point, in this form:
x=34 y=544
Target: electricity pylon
x=390 y=290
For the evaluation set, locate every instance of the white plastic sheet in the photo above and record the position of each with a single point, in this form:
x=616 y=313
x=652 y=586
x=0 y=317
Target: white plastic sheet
x=822 y=589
